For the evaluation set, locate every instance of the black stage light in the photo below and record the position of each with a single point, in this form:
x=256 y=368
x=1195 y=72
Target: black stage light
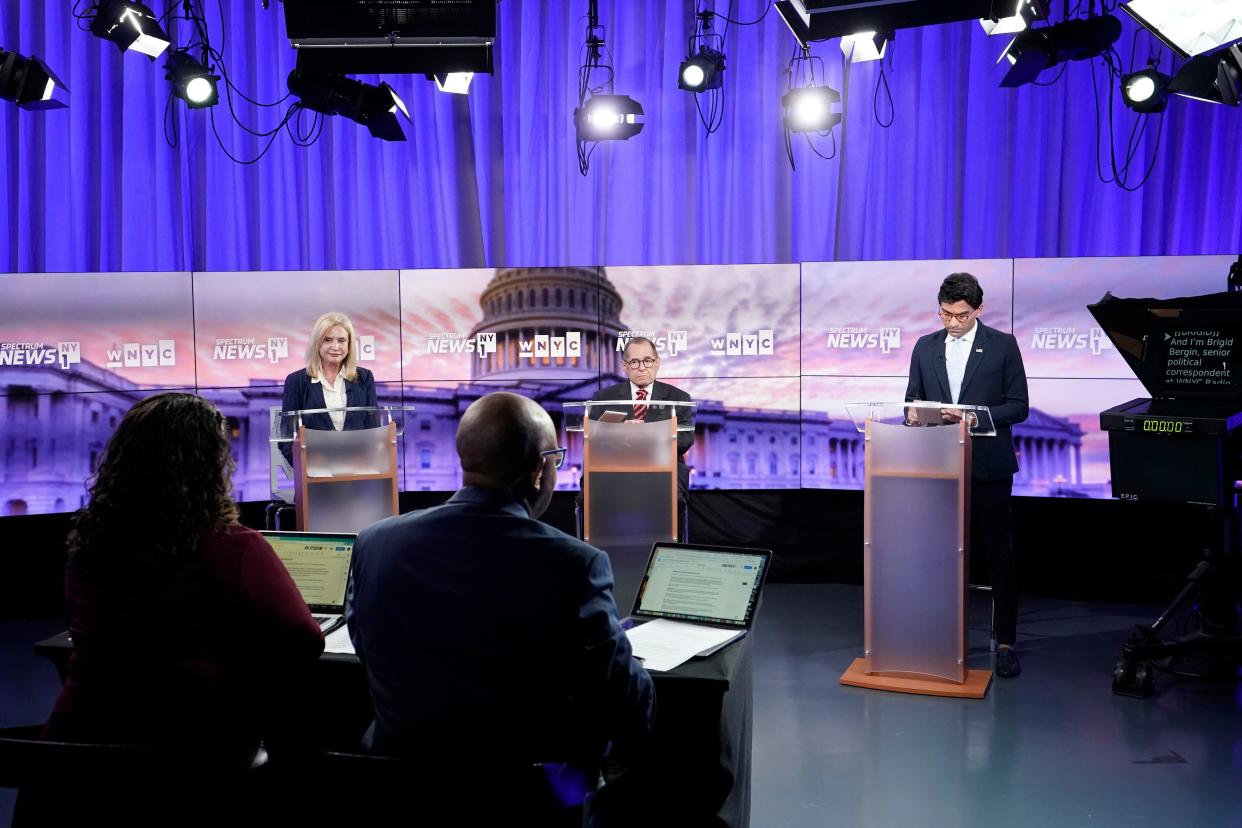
x=1014 y=16
x=865 y=46
x=1214 y=77
x=1190 y=27
x=1146 y=91
x=375 y=107
x=809 y=109
x=702 y=71
x=191 y=81
x=29 y=83
x=608 y=118
x=1034 y=50
x=131 y=26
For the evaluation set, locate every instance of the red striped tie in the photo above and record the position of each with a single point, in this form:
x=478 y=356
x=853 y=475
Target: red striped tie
x=640 y=411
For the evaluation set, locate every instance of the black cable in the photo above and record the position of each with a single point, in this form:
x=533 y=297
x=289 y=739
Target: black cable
x=757 y=20
x=265 y=150
x=1052 y=82
x=875 y=100
x=811 y=144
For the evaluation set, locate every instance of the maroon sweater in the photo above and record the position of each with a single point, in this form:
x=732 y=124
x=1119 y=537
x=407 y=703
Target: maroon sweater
x=208 y=654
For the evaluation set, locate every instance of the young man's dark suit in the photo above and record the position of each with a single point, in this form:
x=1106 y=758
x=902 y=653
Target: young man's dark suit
x=994 y=377
x=657 y=391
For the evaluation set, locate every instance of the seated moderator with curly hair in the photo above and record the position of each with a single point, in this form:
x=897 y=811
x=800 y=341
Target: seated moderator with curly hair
x=187 y=629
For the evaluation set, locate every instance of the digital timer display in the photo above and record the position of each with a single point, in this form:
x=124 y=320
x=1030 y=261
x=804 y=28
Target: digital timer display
x=1164 y=426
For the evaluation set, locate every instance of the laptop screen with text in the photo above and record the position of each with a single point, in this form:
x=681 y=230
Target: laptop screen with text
x=712 y=585
x=318 y=563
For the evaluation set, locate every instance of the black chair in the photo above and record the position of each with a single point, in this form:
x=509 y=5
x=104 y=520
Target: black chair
x=75 y=784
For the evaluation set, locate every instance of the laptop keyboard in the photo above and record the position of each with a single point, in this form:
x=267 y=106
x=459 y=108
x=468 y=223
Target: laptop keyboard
x=322 y=619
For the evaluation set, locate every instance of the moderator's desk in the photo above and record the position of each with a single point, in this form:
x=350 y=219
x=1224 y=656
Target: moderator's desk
x=698 y=768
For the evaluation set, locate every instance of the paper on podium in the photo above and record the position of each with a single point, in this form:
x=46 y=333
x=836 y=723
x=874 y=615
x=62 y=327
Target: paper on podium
x=664 y=644
x=338 y=641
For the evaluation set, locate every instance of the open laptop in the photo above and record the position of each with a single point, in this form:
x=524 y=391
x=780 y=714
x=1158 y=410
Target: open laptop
x=319 y=563
x=717 y=586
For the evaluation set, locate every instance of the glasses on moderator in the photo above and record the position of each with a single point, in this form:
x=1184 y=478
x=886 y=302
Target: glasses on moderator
x=557 y=455
x=964 y=316
x=635 y=364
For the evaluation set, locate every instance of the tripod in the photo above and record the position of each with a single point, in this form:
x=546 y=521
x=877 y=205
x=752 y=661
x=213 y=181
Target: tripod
x=1211 y=592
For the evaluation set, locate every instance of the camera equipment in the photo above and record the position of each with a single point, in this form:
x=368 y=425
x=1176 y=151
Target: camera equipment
x=1183 y=444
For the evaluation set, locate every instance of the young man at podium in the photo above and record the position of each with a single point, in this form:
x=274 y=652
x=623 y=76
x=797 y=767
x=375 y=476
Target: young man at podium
x=641 y=364
x=969 y=363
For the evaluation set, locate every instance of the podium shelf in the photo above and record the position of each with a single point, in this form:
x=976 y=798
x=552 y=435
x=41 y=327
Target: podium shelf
x=625 y=469
x=916 y=475
x=346 y=478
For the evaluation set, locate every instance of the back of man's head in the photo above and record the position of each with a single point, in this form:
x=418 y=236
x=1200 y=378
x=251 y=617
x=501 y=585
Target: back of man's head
x=499 y=439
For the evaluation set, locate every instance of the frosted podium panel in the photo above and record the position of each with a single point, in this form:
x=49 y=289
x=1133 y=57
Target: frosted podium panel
x=334 y=453
x=629 y=495
x=348 y=505
x=907 y=450
x=914 y=578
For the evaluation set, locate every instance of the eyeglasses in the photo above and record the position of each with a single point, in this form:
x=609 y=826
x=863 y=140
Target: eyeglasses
x=635 y=364
x=964 y=316
x=558 y=455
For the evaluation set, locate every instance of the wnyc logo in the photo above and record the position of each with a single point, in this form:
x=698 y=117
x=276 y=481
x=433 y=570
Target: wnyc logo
x=37 y=354
x=483 y=343
x=886 y=340
x=544 y=346
x=760 y=343
x=672 y=343
x=276 y=349
x=142 y=355
x=1070 y=339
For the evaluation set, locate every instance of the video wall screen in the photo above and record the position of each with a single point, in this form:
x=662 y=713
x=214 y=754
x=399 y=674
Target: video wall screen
x=772 y=353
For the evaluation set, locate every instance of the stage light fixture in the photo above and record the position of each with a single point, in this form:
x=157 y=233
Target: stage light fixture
x=191 y=81
x=456 y=83
x=608 y=118
x=702 y=71
x=1214 y=77
x=131 y=26
x=1013 y=16
x=865 y=46
x=1190 y=27
x=809 y=108
x=29 y=83
x=1146 y=91
x=378 y=108
x=1034 y=50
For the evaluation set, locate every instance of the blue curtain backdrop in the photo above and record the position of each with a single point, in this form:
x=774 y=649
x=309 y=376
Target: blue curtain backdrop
x=966 y=170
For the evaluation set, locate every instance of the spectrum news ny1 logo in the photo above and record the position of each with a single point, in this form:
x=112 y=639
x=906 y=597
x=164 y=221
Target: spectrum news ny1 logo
x=885 y=340
x=39 y=354
x=483 y=343
x=1070 y=339
x=228 y=349
x=671 y=343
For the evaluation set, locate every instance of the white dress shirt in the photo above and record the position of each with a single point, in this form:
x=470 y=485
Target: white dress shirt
x=634 y=391
x=334 y=398
x=956 y=353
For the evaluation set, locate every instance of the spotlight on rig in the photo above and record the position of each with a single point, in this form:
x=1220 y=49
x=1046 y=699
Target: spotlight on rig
x=29 y=83
x=131 y=26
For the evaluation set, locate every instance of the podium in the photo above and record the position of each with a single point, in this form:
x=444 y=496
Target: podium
x=916 y=539
x=629 y=481
x=341 y=481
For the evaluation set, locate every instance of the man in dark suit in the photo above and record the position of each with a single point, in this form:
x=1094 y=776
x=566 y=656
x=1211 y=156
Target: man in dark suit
x=641 y=364
x=971 y=364
x=485 y=633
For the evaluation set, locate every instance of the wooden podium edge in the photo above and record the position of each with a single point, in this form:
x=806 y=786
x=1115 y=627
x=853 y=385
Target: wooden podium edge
x=975 y=686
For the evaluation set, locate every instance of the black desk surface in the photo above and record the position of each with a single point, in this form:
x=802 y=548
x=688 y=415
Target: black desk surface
x=700 y=758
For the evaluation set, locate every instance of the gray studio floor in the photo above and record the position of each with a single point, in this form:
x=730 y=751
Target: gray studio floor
x=1051 y=748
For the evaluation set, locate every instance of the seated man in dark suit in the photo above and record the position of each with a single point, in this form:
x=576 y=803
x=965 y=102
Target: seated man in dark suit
x=641 y=364
x=485 y=633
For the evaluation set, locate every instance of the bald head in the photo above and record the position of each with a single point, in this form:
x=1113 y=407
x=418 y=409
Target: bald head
x=500 y=437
